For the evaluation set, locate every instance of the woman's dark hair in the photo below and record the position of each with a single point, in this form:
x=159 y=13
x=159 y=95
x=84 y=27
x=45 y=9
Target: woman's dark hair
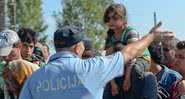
x=117 y=9
x=110 y=33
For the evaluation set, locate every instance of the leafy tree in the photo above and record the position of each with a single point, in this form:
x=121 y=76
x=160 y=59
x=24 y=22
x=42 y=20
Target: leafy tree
x=87 y=14
x=2 y=15
x=28 y=14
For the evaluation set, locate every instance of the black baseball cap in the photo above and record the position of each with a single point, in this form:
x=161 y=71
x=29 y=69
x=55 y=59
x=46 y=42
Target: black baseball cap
x=68 y=36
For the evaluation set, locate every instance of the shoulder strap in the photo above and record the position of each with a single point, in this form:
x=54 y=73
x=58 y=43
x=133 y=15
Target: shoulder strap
x=124 y=37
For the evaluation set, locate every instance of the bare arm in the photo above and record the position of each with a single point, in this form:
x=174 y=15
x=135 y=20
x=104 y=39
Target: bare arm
x=114 y=88
x=127 y=80
x=135 y=49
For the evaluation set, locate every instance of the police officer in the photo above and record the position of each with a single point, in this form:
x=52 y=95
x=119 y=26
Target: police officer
x=67 y=76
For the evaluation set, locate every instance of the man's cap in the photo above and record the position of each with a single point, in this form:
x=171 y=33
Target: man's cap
x=7 y=39
x=68 y=36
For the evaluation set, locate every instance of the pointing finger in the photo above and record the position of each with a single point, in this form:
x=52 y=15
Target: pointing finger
x=155 y=27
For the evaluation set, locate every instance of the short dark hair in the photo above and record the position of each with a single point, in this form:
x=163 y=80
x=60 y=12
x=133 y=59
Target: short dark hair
x=156 y=53
x=89 y=54
x=181 y=45
x=27 y=35
x=172 y=43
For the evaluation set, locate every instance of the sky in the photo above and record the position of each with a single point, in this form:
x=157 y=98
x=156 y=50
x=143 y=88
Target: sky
x=140 y=15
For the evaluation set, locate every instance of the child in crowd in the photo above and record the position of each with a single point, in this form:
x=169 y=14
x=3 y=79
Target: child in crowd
x=115 y=18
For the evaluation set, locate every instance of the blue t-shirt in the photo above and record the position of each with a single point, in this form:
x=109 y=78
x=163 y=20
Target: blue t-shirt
x=168 y=77
x=66 y=76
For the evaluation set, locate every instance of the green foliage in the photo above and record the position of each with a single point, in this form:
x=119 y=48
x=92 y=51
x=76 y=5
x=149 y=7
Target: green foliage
x=28 y=14
x=85 y=13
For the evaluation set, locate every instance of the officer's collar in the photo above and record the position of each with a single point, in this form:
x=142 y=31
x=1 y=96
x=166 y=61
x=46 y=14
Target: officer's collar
x=63 y=54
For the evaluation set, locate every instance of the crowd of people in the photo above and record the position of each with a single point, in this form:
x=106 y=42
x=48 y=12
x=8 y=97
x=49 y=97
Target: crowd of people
x=133 y=67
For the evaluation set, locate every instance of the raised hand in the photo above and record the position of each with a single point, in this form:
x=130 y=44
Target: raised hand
x=161 y=35
x=155 y=27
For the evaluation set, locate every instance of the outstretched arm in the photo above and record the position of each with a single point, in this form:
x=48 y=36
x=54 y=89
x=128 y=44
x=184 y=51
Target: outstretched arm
x=135 y=49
